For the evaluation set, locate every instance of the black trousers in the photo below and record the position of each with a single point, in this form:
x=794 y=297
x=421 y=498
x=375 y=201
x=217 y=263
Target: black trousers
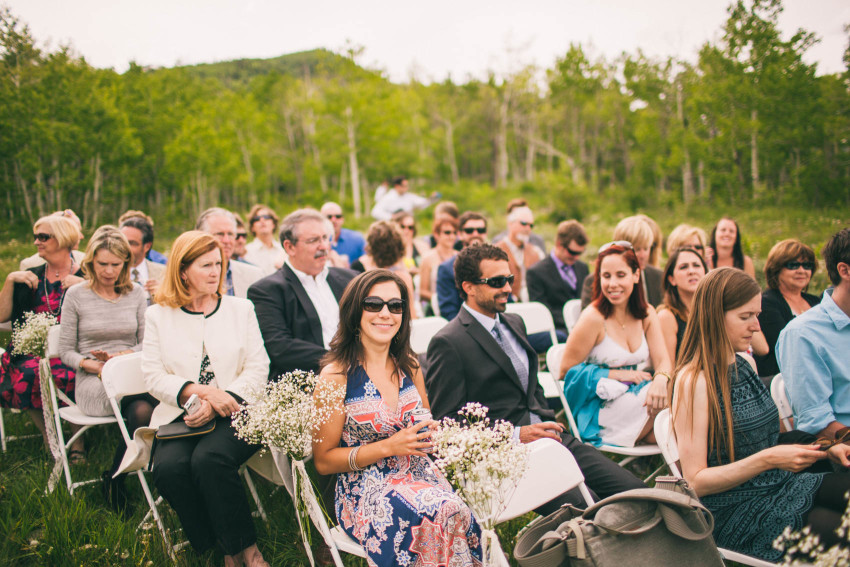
x=602 y=476
x=199 y=476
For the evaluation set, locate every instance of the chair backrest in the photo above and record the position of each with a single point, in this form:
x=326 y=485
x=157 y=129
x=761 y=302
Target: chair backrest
x=422 y=330
x=53 y=341
x=552 y=470
x=572 y=311
x=122 y=376
x=783 y=404
x=553 y=362
x=537 y=318
x=553 y=359
x=664 y=436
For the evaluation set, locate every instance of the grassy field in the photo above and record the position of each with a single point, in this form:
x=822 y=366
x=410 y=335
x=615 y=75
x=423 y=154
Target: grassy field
x=57 y=529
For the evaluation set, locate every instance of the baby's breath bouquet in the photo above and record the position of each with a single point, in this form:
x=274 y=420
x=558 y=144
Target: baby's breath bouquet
x=30 y=337
x=483 y=463
x=804 y=548
x=283 y=420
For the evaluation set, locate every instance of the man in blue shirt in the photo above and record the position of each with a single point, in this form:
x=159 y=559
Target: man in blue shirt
x=814 y=350
x=348 y=244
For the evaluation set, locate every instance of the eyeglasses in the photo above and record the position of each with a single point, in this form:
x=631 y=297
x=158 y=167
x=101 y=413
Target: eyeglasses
x=574 y=252
x=332 y=217
x=496 y=282
x=449 y=232
x=261 y=217
x=241 y=235
x=624 y=243
x=474 y=229
x=374 y=304
x=42 y=236
x=223 y=235
x=408 y=226
x=526 y=223
x=841 y=436
x=808 y=266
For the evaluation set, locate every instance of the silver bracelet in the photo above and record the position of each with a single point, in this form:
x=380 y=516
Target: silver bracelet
x=352 y=459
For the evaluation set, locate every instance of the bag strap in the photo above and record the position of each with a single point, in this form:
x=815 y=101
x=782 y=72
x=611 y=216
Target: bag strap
x=670 y=508
x=543 y=543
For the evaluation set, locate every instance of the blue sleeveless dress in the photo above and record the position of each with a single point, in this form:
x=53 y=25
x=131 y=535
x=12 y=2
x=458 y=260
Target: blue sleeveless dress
x=400 y=509
x=749 y=517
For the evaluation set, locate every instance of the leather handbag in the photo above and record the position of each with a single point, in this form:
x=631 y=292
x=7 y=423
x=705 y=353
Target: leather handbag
x=179 y=430
x=646 y=526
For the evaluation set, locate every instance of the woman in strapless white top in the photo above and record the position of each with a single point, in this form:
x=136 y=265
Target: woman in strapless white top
x=619 y=333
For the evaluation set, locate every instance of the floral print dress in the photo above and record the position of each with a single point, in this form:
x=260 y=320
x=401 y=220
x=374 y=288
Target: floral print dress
x=19 y=380
x=400 y=509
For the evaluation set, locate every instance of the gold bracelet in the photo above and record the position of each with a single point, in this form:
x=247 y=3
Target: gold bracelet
x=662 y=373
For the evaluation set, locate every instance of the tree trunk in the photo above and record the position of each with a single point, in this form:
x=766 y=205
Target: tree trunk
x=310 y=131
x=703 y=184
x=687 y=171
x=451 y=158
x=501 y=169
x=22 y=185
x=246 y=161
x=754 y=154
x=353 y=168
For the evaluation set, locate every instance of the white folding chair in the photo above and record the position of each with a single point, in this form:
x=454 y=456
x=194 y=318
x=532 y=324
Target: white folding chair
x=537 y=318
x=552 y=470
x=783 y=404
x=572 y=311
x=3 y=437
x=70 y=413
x=334 y=536
x=422 y=330
x=666 y=438
x=553 y=361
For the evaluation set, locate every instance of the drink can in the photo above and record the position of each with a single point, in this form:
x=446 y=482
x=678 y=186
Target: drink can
x=419 y=415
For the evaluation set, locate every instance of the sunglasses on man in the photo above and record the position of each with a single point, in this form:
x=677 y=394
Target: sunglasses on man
x=496 y=282
x=374 y=304
x=474 y=229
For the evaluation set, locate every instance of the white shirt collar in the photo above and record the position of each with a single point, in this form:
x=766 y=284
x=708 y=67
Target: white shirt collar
x=486 y=322
x=307 y=278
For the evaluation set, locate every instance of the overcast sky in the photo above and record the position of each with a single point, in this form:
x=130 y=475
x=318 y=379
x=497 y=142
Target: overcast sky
x=435 y=38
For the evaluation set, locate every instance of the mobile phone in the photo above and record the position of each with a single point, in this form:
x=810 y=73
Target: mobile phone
x=192 y=405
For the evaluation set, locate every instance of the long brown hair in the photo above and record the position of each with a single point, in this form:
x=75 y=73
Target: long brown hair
x=672 y=299
x=637 y=305
x=346 y=350
x=706 y=348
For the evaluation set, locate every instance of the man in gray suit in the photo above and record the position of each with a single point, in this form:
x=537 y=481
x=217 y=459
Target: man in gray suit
x=483 y=356
x=559 y=277
x=222 y=225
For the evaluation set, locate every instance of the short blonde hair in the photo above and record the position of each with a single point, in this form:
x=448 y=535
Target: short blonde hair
x=657 y=241
x=113 y=240
x=635 y=230
x=681 y=236
x=189 y=246
x=62 y=228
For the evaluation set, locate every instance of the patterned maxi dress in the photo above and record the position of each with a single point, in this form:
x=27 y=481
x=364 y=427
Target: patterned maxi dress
x=19 y=380
x=400 y=509
x=749 y=517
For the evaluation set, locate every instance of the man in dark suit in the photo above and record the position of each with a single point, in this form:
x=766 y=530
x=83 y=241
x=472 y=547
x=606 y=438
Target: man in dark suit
x=483 y=356
x=559 y=277
x=473 y=230
x=298 y=305
x=638 y=233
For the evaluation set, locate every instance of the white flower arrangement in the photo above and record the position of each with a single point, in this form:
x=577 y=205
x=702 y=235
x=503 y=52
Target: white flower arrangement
x=30 y=336
x=482 y=462
x=287 y=412
x=804 y=548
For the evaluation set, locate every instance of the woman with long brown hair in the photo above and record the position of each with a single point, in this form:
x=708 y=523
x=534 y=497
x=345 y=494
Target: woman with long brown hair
x=685 y=268
x=753 y=479
x=389 y=496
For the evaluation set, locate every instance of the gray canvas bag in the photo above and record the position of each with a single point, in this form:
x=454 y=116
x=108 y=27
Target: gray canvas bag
x=646 y=526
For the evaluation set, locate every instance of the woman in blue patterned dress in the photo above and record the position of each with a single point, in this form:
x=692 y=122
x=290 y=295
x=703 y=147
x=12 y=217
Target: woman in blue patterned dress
x=389 y=496
x=754 y=480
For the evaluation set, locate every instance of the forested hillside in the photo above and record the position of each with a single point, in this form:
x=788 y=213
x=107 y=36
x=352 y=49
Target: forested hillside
x=749 y=122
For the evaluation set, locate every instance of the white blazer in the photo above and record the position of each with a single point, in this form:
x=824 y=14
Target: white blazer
x=171 y=357
x=243 y=276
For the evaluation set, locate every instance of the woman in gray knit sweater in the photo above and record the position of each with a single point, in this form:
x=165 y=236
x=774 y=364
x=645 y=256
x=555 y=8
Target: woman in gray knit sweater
x=103 y=318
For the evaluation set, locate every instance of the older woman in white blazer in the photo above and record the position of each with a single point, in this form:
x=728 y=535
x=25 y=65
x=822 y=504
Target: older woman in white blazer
x=200 y=341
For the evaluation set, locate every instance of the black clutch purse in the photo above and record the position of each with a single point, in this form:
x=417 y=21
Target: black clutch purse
x=179 y=430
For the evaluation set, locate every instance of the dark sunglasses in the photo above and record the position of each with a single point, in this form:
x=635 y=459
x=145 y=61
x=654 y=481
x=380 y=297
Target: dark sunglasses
x=408 y=226
x=376 y=304
x=448 y=232
x=841 y=436
x=331 y=217
x=42 y=236
x=624 y=243
x=525 y=223
x=473 y=230
x=261 y=217
x=241 y=235
x=496 y=282
x=808 y=266
x=574 y=252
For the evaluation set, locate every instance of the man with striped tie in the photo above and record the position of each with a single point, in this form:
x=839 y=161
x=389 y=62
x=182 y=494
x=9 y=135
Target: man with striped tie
x=139 y=233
